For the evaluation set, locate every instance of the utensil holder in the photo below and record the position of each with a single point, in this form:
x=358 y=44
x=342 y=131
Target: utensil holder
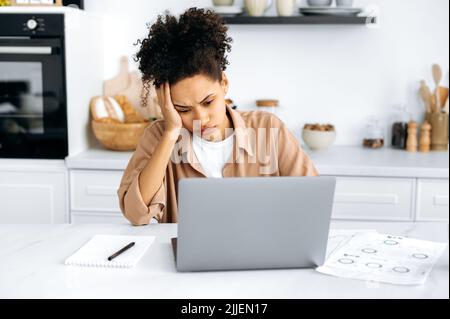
x=439 y=131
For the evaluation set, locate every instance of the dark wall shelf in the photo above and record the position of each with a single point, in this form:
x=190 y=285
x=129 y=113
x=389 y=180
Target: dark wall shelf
x=243 y=19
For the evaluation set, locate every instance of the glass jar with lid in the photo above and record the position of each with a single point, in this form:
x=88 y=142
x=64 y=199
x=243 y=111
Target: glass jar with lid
x=374 y=134
x=273 y=106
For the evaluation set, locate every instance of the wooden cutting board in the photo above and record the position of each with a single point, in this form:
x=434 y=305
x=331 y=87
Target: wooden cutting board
x=134 y=94
x=129 y=84
x=119 y=83
x=133 y=90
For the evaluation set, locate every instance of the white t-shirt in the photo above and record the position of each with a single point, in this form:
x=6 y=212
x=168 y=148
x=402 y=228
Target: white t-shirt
x=213 y=156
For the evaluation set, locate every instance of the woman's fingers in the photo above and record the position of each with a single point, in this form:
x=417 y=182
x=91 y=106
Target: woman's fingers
x=160 y=94
x=170 y=114
x=167 y=96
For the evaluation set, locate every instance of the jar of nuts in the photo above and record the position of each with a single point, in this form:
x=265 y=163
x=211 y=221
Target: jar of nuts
x=374 y=135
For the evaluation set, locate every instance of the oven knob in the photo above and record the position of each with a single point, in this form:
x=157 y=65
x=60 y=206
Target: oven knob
x=32 y=24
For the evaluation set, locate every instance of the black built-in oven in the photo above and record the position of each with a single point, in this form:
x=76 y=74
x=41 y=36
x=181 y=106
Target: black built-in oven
x=74 y=3
x=33 y=107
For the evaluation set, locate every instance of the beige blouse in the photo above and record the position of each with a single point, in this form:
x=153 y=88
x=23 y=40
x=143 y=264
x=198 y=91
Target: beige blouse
x=263 y=146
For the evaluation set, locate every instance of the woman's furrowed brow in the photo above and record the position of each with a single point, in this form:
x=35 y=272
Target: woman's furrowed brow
x=204 y=100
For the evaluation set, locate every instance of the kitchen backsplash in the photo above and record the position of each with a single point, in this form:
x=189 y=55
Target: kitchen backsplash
x=328 y=74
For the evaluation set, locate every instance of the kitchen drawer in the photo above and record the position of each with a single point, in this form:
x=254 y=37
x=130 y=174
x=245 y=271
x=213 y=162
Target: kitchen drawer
x=373 y=198
x=432 y=200
x=33 y=196
x=97 y=218
x=95 y=191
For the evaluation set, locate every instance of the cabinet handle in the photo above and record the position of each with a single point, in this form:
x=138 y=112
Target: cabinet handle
x=100 y=191
x=439 y=200
x=26 y=50
x=344 y=198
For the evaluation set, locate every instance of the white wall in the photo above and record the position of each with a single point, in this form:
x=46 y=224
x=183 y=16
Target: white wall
x=337 y=74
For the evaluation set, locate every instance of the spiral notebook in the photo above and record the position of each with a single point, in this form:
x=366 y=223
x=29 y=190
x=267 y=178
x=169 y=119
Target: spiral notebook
x=96 y=251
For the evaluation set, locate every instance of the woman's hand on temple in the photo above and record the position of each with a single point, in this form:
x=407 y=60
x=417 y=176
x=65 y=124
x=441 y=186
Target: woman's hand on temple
x=171 y=116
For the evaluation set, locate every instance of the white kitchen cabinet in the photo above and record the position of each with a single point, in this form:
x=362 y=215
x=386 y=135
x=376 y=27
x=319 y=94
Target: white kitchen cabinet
x=94 y=196
x=386 y=185
x=432 y=200
x=94 y=190
x=372 y=198
x=33 y=192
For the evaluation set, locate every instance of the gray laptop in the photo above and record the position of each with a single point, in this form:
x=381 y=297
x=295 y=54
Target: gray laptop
x=253 y=223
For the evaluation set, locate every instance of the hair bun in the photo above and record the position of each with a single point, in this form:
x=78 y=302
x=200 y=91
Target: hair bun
x=175 y=49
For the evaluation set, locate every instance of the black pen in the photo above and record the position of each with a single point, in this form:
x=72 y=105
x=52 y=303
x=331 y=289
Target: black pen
x=121 y=251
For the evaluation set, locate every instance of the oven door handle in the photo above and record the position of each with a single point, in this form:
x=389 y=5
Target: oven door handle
x=25 y=50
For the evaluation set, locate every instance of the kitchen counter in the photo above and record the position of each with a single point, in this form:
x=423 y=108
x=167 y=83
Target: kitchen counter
x=32 y=164
x=387 y=162
x=33 y=255
x=336 y=161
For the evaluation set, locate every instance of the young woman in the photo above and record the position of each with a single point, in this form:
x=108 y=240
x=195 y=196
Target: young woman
x=200 y=136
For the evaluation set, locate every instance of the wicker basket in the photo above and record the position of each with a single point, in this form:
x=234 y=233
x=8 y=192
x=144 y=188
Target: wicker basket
x=119 y=137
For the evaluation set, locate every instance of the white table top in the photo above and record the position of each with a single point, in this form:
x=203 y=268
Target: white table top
x=32 y=266
x=336 y=161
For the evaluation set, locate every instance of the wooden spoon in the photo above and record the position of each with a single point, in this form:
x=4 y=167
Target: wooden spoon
x=437 y=77
x=426 y=96
x=443 y=91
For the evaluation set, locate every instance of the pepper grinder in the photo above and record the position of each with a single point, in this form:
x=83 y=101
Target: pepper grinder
x=425 y=139
x=411 y=143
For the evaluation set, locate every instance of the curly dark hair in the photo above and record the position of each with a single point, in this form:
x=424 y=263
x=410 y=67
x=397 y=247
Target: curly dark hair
x=194 y=44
